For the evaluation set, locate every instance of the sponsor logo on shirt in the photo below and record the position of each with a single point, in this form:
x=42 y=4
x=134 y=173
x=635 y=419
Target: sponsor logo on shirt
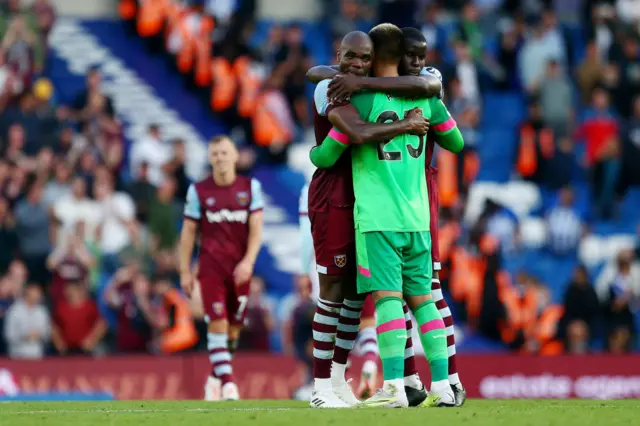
x=225 y=215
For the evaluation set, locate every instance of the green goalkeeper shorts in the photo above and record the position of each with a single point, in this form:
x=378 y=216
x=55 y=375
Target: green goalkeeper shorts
x=394 y=261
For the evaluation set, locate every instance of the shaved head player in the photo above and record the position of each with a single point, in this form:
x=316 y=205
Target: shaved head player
x=225 y=210
x=330 y=211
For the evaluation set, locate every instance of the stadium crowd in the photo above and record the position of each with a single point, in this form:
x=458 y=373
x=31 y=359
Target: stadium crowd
x=87 y=239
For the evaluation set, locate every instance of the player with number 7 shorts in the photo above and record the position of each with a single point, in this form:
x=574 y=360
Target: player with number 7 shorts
x=226 y=211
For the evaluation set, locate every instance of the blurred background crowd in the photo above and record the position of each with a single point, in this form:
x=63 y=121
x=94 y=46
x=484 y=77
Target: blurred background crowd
x=539 y=214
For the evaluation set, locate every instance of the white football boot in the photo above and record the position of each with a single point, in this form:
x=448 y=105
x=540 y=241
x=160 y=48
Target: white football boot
x=212 y=389
x=389 y=397
x=345 y=393
x=326 y=399
x=230 y=392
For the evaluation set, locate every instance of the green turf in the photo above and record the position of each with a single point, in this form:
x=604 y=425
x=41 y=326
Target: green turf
x=291 y=413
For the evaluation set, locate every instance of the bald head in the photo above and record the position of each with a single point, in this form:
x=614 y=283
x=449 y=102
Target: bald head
x=356 y=53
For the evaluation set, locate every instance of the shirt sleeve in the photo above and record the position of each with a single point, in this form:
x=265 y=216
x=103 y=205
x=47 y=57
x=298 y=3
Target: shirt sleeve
x=441 y=120
x=326 y=154
x=434 y=72
x=192 y=204
x=363 y=103
x=320 y=97
x=306 y=240
x=257 y=200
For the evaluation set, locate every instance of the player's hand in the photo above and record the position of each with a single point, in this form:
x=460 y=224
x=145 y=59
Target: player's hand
x=418 y=124
x=342 y=86
x=243 y=272
x=186 y=282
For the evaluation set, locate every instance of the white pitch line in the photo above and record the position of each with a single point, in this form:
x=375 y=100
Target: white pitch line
x=141 y=410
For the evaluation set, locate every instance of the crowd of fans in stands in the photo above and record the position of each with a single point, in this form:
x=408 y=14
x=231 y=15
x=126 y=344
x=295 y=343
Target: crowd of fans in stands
x=87 y=252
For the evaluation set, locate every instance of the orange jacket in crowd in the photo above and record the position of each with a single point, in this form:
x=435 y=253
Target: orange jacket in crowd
x=231 y=84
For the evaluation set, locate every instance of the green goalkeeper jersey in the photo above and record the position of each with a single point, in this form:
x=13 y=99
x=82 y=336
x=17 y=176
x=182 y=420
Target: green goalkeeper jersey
x=389 y=177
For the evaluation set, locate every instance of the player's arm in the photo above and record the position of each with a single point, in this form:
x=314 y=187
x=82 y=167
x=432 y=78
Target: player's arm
x=255 y=222
x=322 y=72
x=446 y=130
x=188 y=235
x=409 y=86
x=325 y=155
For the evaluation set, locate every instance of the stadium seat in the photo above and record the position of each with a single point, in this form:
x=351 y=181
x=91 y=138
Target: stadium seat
x=521 y=198
x=596 y=249
x=533 y=232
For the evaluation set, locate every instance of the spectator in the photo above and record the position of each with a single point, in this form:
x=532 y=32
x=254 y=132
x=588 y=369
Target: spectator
x=431 y=29
x=537 y=51
x=60 y=187
x=511 y=40
x=8 y=236
x=34 y=233
x=27 y=326
x=118 y=212
x=467 y=73
x=77 y=207
x=70 y=262
x=536 y=146
x=630 y=174
x=164 y=217
x=152 y=150
x=589 y=72
x=287 y=308
x=91 y=102
x=46 y=16
x=600 y=130
x=175 y=330
x=9 y=291
x=565 y=226
x=128 y=293
x=618 y=288
x=601 y=28
x=259 y=324
x=176 y=169
x=293 y=61
x=22 y=51
x=502 y=224
x=77 y=325
x=582 y=310
x=469 y=31
x=142 y=192
x=556 y=99
x=629 y=75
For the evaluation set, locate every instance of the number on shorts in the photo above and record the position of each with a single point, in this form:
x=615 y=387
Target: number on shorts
x=396 y=155
x=242 y=300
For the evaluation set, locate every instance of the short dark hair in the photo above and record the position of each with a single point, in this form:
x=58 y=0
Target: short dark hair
x=388 y=42
x=413 y=34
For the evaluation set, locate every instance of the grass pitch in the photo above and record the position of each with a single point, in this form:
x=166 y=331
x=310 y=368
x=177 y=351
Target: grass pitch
x=292 y=413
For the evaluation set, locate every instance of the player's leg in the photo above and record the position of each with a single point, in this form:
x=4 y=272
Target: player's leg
x=341 y=247
x=214 y=300
x=438 y=297
x=413 y=386
x=417 y=288
x=447 y=318
x=325 y=319
x=237 y=299
x=368 y=349
x=380 y=273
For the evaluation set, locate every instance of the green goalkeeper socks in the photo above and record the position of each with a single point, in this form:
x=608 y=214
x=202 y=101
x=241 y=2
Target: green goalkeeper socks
x=392 y=337
x=434 y=339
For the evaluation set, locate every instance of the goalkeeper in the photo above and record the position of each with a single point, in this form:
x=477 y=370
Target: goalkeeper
x=392 y=232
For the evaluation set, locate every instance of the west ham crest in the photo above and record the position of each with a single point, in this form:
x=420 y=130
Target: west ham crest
x=340 y=260
x=210 y=201
x=243 y=198
x=218 y=308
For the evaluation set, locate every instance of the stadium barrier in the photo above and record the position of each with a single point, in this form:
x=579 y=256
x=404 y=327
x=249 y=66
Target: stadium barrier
x=270 y=376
